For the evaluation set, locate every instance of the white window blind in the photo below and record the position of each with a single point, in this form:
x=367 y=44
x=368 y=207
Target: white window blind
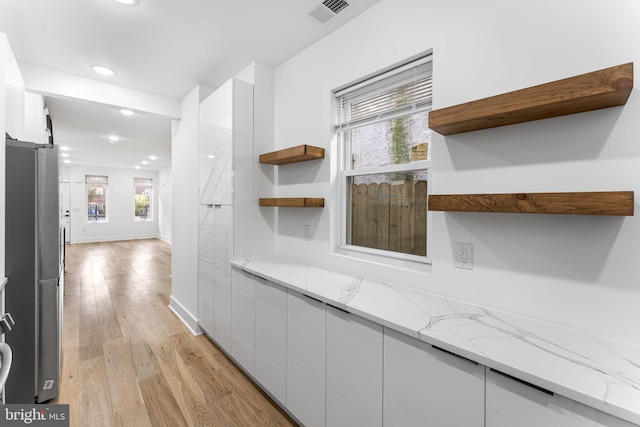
x=400 y=91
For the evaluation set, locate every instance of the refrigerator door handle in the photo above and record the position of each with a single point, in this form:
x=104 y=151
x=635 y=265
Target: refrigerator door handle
x=7 y=357
x=6 y=323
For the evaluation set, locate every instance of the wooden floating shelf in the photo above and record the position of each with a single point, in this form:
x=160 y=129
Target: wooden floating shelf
x=585 y=203
x=296 y=154
x=592 y=91
x=293 y=202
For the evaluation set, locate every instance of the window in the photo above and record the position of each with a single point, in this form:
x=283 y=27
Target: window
x=97 y=197
x=382 y=128
x=143 y=192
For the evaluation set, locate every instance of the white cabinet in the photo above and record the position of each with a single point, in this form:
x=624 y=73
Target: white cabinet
x=215 y=149
x=424 y=386
x=271 y=338
x=512 y=403
x=225 y=170
x=242 y=319
x=306 y=334
x=222 y=248
x=205 y=268
x=215 y=244
x=354 y=370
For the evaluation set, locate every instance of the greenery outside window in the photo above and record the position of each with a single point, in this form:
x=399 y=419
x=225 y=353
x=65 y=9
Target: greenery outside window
x=384 y=139
x=143 y=195
x=97 y=198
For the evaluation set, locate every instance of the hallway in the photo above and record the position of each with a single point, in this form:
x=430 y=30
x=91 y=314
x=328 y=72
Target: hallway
x=129 y=361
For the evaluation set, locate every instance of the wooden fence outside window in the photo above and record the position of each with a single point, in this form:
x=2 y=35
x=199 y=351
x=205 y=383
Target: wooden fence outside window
x=391 y=217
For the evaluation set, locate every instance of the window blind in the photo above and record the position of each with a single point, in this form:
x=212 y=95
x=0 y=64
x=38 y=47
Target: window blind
x=405 y=89
x=94 y=179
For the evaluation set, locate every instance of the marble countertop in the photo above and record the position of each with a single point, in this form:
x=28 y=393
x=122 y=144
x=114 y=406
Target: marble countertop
x=595 y=371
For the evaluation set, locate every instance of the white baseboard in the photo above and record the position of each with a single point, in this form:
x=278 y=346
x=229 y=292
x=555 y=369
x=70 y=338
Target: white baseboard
x=183 y=314
x=165 y=239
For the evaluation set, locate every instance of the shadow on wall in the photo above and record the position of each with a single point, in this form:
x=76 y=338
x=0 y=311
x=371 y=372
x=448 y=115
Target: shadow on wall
x=571 y=247
x=568 y=138
x=302 y=173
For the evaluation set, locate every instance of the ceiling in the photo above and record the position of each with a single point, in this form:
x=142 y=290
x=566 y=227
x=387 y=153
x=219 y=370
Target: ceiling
x=160 y=47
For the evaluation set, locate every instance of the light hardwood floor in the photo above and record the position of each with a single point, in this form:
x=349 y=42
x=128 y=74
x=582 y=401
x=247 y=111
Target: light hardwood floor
x=129 y=361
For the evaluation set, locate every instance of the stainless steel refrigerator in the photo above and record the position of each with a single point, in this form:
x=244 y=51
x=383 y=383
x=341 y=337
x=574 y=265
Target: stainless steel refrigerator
x=32 y=263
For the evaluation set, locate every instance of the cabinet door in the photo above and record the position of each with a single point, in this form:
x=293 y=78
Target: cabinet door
x=271 y=338
x=242 y=319
x=354 y=370
x=306 y=333
x=215 y=149
x=222 y=250
x=205 y=268
x=511 y=403
x=424 y=386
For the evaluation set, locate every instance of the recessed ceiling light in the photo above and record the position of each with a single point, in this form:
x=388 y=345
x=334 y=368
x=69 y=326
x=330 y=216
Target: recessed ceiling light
x=67 y=161
x=126 y=112
x=144 y=162
x=65 y=154
x=128 y=2
x=113 y=138
x=103 y=71
x=211 y=156
x=137 y=166
x=152 y=157
x=64 y=148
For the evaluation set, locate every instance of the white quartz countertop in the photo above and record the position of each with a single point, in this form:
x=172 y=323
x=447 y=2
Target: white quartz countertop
x=595 y=371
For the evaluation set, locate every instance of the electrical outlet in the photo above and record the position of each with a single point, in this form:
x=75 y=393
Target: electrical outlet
x=463 y=255
x=307 y=232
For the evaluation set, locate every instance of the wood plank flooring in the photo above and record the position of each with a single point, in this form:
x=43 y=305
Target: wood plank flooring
x=129 y=361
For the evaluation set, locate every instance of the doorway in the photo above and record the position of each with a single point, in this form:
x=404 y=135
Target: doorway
x=65 y=188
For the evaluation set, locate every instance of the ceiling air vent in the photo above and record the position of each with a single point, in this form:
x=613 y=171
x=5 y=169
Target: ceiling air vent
x=326 y=10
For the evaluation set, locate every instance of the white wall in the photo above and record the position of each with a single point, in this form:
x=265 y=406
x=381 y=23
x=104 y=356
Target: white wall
x=581 y=272
x=120 y=206
x=25 y=119
x=35 y=121
x=184 y=210
x=4 y=48
x=262 y=221
x=164 y=203
x=13 y=88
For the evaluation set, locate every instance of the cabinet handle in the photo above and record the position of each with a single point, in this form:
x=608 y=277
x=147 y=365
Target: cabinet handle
x=455 y=355
x=338 y=308
x=544 y=390
x=315 y=299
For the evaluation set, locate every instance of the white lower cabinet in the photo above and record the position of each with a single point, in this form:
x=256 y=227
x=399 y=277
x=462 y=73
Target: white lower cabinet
x=425 y=386
x=242 y=319
x=205 y=269
x=222 y=313
x=271 y=338
x=222 y=249
x=354 y=370
x=306 y=350
x=512 y=403
x=331 y=368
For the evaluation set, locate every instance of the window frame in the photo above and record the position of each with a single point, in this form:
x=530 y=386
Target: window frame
x=106 y=198
x=150 y=186
x=345 y=170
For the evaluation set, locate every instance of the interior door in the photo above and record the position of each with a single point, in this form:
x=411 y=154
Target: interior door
x=66 y=210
